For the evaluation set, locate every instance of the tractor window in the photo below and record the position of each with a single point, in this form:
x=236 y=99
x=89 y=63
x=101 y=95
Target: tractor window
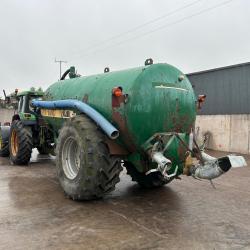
x=20 y=104
x=25 y=106
x=31 y=108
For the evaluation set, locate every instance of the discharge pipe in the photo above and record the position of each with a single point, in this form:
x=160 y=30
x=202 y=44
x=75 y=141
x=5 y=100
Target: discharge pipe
x=106 y=126
x=215 y=167
x=164 y=164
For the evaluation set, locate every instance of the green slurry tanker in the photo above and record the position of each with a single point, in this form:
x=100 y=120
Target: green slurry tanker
x=140 y=118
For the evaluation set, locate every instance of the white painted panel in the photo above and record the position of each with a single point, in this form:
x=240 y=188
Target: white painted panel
x=219 y=128
x=239 y=134
x=228 y=132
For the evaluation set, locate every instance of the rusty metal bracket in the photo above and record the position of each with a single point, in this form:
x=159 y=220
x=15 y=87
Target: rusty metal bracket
x=162 y=137
x=196 y=152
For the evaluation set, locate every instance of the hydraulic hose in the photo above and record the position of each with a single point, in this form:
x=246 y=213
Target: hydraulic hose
x=65 y=74
x=101 y=121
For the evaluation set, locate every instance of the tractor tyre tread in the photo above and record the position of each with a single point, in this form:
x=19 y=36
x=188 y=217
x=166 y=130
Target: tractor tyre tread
x=4 y=152
x=25 y=143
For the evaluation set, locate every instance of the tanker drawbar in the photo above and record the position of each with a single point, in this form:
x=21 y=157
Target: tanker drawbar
x=142 y=119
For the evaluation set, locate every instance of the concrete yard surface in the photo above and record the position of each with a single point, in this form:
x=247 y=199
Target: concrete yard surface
x=186 y=214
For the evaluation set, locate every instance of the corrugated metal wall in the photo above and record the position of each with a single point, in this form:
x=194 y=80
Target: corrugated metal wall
x=227 y=89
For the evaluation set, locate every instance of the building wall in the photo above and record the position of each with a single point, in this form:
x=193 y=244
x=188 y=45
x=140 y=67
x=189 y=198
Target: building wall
x=225 y=115
x=6 y=115
x=227 y=89
x=227 y=132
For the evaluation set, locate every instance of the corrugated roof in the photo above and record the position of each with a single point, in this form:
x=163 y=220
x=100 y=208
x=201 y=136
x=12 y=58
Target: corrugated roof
x=220 y=68
x=227 y=89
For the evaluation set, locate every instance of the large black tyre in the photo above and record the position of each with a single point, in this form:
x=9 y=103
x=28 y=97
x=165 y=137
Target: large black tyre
x=20 y=143
x=153 y=180
x=4 y=141
x=4 y=150
x=85 y=168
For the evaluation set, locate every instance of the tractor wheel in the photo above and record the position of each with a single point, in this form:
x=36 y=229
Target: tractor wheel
x=85 y=168
x=4 y=141
x=20 y=143
x=152 y=180
x=4 y=149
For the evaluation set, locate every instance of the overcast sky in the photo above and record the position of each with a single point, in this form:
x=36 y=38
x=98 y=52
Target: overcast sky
x=92 y=34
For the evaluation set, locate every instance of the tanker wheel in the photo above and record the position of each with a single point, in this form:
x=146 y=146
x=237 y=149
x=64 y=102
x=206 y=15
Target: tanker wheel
x=20 y=143
x=152 y=180
x=85 y=168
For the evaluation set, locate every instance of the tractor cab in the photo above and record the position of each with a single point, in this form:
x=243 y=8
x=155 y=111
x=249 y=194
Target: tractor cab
x=26 y=131
x=25 y=111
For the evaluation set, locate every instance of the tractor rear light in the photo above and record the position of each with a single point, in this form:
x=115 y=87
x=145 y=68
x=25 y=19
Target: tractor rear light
x=117 y=91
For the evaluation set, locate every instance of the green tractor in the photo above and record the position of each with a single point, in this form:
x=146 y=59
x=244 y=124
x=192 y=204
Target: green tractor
x=27 y=131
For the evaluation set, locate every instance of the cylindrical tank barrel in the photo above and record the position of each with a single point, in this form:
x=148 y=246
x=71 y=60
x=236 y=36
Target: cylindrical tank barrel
x=155 y=98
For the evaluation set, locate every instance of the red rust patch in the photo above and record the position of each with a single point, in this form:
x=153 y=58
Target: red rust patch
x=117 y=100
x=120 y=120
x=115 y=148
x=122 y=126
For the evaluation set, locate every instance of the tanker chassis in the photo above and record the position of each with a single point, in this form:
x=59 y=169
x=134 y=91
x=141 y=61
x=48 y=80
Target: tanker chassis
x=141 y=119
